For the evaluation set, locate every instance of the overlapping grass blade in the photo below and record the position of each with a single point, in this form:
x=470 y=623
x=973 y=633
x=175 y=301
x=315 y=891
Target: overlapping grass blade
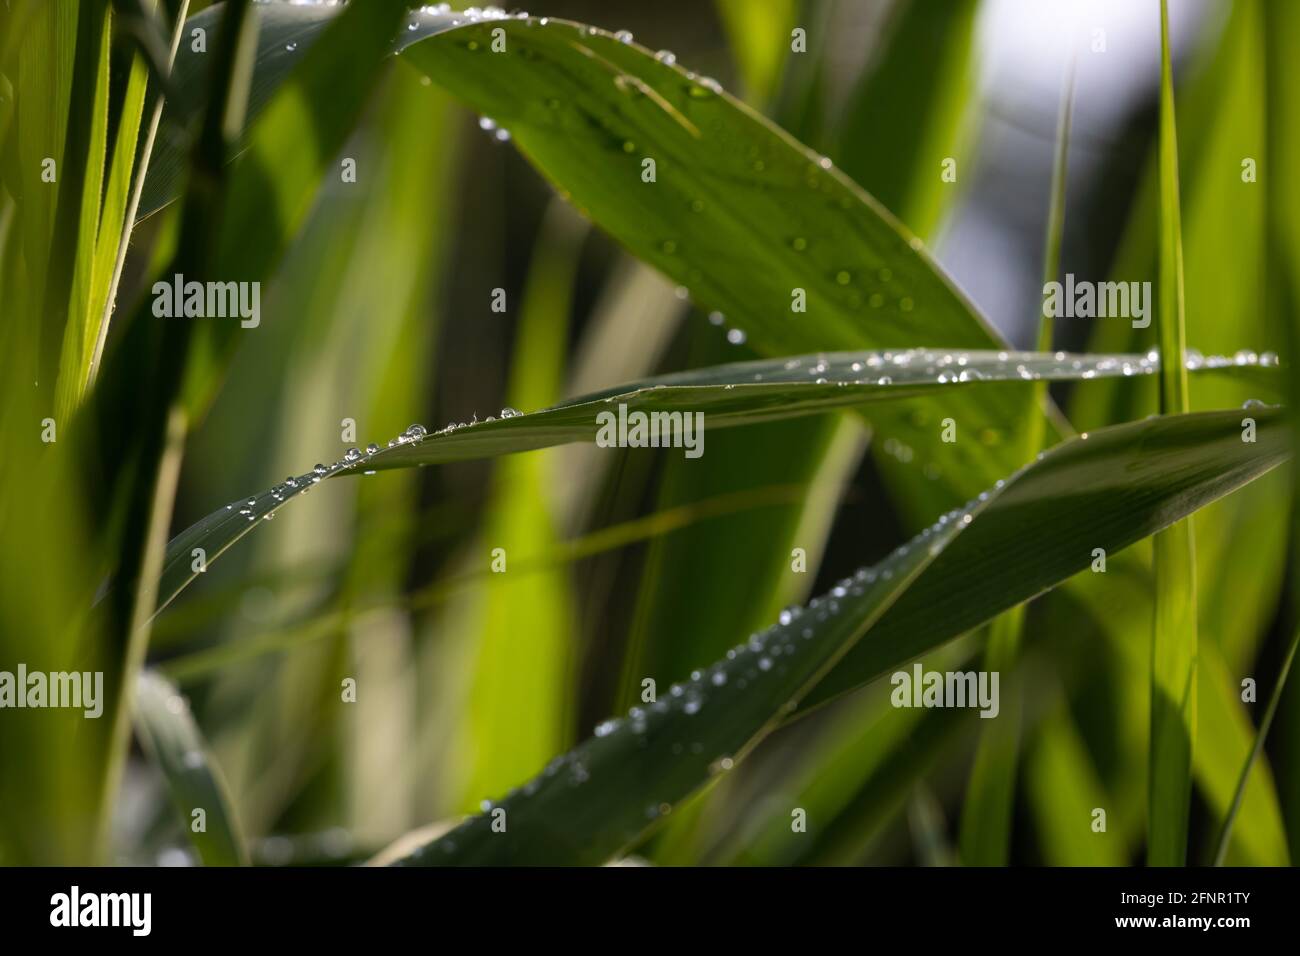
x=126 y=182
x=76 y=225
x=727 y=395
x=1150 y=473
x=1036 y=529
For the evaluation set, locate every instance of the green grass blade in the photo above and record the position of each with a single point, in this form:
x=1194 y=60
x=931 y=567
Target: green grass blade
x=587 y=109
x=1173 y=648
x=1195 y=458
x=122 y=198
x=1239 y=793
x=171 y=738
x=727 y=395
x=43 y=67
x=598 y=799
x=1056 y=210
x=84 y=171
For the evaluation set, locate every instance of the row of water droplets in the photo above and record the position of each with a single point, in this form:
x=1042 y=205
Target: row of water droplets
x=765 y=658
x=460 y=17
x=351 y=460
x=925 y=366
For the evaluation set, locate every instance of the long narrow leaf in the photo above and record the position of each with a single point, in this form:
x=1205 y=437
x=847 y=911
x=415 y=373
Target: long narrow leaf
x=1173 y=646
x=1112 y=488
x=727 y=395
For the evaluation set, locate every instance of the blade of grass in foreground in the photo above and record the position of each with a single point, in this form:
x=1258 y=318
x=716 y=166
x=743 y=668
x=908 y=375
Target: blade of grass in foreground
x=1037 y=528
x=122 y=196
x=727 y=395
x=1173 y=646
x=169 y=735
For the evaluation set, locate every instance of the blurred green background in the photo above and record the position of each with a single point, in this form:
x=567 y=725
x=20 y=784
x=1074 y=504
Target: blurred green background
x=632 y=563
